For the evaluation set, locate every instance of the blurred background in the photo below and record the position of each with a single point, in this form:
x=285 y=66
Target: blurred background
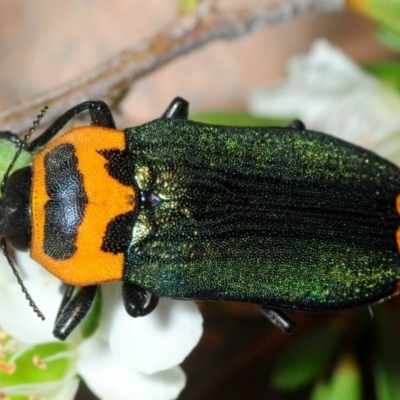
x=45 y=44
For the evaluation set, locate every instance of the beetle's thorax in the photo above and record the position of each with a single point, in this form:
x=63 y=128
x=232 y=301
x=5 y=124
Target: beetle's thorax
x=84 y=206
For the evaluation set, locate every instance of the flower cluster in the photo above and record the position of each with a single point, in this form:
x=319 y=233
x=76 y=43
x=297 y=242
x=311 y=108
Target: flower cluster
x=331 y=93
x=125 y=358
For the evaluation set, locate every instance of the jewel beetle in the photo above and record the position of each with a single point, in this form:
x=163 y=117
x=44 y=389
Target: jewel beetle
x=285 y=218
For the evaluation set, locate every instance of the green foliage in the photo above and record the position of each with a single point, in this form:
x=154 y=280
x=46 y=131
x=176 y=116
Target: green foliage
x=92 y=320
x=32 y=365
x=188 y=6
x=334 y=362
x=307 y=358
x=389 y=38
x=387 y=14
x=387 y=352
x=345 y=383
x=7 y=152
x=387 y=11
x=388 y=72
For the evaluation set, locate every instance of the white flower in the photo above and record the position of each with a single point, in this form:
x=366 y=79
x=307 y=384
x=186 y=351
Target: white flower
x=126 y=358
x=330 y=93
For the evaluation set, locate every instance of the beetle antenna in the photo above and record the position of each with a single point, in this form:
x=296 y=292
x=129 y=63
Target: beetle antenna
x=19 y=280
x=23 y=144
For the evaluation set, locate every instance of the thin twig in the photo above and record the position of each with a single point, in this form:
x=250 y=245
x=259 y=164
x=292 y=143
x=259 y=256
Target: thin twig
x=184 y=35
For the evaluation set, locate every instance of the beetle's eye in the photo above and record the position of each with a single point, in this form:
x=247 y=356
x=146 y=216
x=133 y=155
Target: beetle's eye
x=19 y=177
x=19 y=239
x=15 y=223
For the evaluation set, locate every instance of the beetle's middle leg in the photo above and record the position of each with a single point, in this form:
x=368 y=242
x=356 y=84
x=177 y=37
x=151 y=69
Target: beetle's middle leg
x=278 y=318
x=136 y=300
x=296 y=124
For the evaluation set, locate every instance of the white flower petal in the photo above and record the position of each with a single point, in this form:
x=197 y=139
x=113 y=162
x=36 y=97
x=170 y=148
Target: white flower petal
x=19 y=320
x=6 y=274
x=30 y=268
x=65 y=391
x=109 y=380
x=332 y=94
x=26 y=267
x=157 y=341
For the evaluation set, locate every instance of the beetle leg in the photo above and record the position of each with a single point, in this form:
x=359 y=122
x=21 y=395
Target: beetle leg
x=178 y=109
x=296 y=124
x=135 y=300
x=73 y=310
x=68 y=291
x=10 y=137
x=278 y=318
x=100 y=115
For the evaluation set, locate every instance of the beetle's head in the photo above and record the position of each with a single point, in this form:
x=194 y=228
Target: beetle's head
x=15 y=221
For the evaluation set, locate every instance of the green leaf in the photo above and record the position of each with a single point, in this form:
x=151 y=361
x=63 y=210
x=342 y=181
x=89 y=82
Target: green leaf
x=386 y=12
x=188 y=6
x=92 y=320
x=388 y=72
x=35 y=364
x=386 y=367
x=307 y=358
x=7 y=152
x=237 y=119
x=345 y=383
x=389 y=38
x=320 y=391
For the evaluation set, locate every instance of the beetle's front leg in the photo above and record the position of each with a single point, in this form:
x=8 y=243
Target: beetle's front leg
x=136 y=300
x=100 y=115
x=10 y=137
x=278 y=318
x=73 y=309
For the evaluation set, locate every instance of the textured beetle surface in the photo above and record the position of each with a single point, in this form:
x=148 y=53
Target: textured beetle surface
x=276 y=216
x=285 y=218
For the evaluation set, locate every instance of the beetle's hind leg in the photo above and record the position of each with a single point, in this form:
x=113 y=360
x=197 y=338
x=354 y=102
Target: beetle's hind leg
x=136 y=301
x=178 y=109
x=73 y=309
x=296 y=124
x=278 y=318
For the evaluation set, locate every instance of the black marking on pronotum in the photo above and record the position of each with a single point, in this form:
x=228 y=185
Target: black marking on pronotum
x=118 y=233
x=120 y=166
x=65 y=210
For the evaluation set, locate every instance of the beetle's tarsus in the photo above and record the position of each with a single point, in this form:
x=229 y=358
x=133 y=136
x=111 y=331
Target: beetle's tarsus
x=278 y=318
x=67 y=295
x=136 y=300
x=178 y=109
x=73 y=310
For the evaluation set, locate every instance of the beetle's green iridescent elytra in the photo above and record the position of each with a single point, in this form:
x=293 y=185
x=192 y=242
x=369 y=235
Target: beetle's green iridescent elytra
x=285 y=218
x=278 y=216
